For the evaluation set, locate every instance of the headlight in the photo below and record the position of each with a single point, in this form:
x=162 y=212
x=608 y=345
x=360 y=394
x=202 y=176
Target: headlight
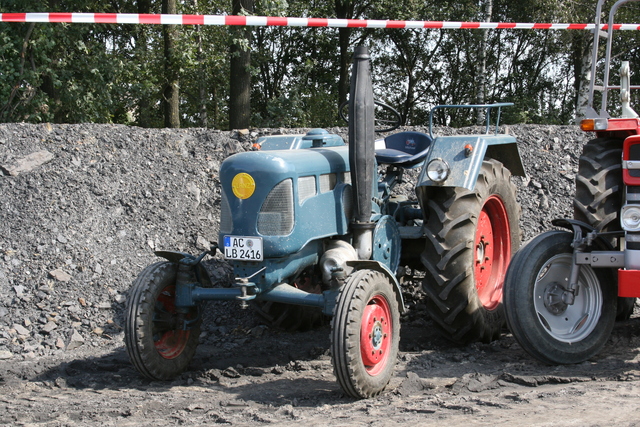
x=438 y=170
x=630 y=217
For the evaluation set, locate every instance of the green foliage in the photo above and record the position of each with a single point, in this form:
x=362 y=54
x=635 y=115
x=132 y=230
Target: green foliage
x=115 y=73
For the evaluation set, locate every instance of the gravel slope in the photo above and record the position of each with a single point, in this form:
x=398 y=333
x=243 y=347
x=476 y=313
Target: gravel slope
x=77 y=229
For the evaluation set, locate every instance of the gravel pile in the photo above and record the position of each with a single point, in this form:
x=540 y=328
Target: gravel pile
x=84 y=206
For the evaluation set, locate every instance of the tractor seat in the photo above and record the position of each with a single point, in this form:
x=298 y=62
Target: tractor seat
x=404 y=149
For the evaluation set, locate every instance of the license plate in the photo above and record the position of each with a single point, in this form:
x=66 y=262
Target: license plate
x=243 y=248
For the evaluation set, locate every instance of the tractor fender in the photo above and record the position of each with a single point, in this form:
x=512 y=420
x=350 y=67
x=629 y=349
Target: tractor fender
x=173 y=256
x=603 y=244
x=464 y=154
x=378 y=266
x=201 y=274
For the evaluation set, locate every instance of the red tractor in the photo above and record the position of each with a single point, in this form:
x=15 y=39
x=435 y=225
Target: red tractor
x=564 y=289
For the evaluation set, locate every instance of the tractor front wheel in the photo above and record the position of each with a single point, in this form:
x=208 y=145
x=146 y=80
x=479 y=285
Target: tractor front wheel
x=538 y=306
x=365 y=334
x=160 y=341
x=471 y=236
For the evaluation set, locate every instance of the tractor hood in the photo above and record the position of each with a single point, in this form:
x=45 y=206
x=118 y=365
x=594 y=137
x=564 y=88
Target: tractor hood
x=286 y=197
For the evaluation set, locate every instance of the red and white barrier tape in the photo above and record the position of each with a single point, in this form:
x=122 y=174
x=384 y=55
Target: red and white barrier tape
x=135 y=18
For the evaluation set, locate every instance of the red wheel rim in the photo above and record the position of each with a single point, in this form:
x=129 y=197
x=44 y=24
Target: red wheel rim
x=169 y=342
x=492 y=252
x=376 y=335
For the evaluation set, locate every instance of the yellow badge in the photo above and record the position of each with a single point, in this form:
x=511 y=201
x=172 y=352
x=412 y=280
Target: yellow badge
x=243 y=185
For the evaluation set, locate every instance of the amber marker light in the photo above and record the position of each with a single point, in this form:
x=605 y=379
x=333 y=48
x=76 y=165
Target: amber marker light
x=590 y=125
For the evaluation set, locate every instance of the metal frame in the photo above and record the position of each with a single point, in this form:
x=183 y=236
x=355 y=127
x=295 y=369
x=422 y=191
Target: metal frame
x=488 y=107
x=625 y=87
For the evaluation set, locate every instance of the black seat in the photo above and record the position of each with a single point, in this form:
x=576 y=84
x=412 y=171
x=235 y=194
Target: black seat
x=404 y=149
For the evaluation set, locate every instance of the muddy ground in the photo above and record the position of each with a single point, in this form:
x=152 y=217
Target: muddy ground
x=76 y=229
x=286 y=379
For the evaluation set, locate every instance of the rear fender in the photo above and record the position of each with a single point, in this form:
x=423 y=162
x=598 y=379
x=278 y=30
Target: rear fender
x=464 y=155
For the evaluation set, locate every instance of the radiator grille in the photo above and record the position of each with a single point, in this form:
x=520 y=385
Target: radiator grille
x=276 y=215
x=347 y=202
x=327 y=182
x=306 y=187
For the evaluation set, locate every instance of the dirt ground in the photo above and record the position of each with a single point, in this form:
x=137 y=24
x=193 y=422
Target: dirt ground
x=286 y=379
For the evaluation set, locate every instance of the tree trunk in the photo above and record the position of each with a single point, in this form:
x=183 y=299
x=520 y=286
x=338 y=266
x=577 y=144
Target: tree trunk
x=202 y=88
x=482 y=72
x=144 y=106
x=345 y=57
x=240 y=64
x=171 y=67
x=344 y=10
x=581 y=58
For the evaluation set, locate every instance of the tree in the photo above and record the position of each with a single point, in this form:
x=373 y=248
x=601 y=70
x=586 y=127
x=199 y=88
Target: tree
x=273 y=76
x=171 y=68
x=240 y=77
x=347 y=9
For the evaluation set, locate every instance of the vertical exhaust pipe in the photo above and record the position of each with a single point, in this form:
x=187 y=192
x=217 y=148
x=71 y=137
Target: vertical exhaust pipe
x=361 y=151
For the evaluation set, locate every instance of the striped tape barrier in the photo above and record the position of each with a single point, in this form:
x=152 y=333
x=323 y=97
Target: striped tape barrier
x=165 y=19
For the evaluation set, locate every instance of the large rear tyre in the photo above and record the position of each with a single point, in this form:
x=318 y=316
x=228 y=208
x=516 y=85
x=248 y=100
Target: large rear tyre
x=158 y=344
x=365 y=334
x=599 y=194
x=471 y=236
x=545 y=326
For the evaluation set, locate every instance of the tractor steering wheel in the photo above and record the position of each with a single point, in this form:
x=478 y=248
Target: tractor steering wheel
x=386 y=118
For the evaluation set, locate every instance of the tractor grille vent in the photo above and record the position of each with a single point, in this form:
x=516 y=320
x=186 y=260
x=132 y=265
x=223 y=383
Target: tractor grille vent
x=306 y=187
x=347 y=202
x=346 y=177
x=226 y=220
x=276 y=215
x=327 y=182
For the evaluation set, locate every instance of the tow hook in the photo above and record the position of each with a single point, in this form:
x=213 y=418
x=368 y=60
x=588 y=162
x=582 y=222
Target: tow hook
x=247 y=288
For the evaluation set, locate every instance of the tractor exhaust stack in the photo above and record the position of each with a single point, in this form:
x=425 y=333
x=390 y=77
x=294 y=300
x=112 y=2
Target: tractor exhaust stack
x=361 y=151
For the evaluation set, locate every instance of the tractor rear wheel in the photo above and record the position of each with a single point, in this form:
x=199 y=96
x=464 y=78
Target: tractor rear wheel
x=471 y=236
x=157 y=342
x=537 y=304
x=365 y=334
x=599 y=194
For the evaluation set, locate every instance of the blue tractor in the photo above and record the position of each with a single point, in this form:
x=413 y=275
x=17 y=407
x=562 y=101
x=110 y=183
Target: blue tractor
x=309 y=221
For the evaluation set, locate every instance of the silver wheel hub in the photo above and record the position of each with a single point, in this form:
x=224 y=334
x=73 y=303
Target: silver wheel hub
x=376 y=335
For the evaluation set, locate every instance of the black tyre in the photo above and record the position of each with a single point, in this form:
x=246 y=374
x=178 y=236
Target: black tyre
x=365 y=334
x=157 y=343
x=544 y=325
x=599 y=194
x=471 y=236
